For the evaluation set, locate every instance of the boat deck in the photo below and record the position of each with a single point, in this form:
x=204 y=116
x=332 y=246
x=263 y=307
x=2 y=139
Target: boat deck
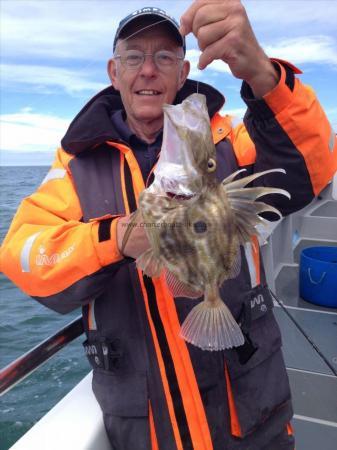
x=313 y=383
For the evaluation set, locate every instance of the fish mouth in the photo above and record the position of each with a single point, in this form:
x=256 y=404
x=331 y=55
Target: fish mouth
x=180 y=196
x=178 y=183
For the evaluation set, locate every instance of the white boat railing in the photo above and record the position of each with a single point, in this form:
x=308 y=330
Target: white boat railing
x=75 y=423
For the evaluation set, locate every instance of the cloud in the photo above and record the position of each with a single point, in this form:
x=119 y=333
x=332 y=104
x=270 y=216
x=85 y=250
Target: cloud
x=307 y=49
x=216 y=66
x=44 y=79
x=28 y=131
x=235 y=112
x=56 y=29
x=192 y=56
x=332 y=116
x=84 y=30
x=294 y=15
x=59 y=29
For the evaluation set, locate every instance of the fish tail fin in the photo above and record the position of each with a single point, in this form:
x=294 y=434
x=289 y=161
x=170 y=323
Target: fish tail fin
x=212 y=327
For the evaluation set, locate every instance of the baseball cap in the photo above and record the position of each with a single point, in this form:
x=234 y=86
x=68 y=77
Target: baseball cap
x=158 y=15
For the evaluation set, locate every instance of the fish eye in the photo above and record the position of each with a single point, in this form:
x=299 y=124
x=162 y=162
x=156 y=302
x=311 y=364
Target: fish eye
x=211 y=165
x=200 y=227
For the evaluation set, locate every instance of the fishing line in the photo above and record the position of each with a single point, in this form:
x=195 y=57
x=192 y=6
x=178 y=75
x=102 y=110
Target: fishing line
x=144 y=28
x=298 y=326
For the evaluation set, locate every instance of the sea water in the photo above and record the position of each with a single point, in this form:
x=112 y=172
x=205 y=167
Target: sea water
x=24 y=323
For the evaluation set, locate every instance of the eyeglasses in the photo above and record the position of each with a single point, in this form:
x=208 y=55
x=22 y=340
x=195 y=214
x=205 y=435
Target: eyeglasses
x=163 y=59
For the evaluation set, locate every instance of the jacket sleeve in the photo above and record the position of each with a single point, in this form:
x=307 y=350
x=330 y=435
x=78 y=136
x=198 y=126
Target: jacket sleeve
x=287 y=129
x=50 y=254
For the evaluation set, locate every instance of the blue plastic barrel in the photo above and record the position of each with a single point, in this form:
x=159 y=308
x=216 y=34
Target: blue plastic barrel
x=318 y=275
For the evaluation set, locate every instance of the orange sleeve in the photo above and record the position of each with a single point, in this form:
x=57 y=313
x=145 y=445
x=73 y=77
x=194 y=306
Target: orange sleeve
x=289 y=130
x=48 y=248
x=301 y=116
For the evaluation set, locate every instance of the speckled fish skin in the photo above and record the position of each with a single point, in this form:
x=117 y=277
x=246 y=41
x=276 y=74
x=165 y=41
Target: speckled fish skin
x=197 y=240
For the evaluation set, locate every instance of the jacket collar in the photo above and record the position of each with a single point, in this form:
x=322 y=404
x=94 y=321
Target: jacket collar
x=93 y=126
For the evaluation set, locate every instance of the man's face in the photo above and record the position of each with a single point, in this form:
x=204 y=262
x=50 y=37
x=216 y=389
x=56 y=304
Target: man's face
x=144 y=90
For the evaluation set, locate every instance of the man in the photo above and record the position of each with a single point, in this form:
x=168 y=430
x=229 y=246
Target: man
x=155 y=390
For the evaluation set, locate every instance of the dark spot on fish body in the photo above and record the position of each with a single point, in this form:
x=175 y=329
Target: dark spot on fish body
x=200 y=227
x=181 y=247
x=181 y=254
x=173 y=246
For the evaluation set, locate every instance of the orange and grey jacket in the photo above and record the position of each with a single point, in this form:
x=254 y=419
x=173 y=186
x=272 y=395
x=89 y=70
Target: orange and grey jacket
x=155 y=390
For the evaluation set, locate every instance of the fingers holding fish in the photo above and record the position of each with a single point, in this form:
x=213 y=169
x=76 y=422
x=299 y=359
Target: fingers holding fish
x=201 y=13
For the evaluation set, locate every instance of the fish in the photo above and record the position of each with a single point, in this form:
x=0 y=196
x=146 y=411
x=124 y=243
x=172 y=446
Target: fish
x=195 y=224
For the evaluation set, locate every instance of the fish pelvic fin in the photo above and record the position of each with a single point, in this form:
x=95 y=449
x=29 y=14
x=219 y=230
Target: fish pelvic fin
x=179 y=289
x=149 y=263
x=211 y=326
x=244 y=205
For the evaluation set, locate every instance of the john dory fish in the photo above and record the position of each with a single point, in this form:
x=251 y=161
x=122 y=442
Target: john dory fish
x=195 y=224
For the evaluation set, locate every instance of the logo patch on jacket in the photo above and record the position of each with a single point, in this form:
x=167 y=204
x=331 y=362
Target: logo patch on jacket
x=44 y=260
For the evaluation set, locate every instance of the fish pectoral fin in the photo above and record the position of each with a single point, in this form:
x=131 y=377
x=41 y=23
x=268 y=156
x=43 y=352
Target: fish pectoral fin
x=229 y=183
x=212 y=327
x=232 y=176
x=179 y=289
x=245 y=203
x=149 y=263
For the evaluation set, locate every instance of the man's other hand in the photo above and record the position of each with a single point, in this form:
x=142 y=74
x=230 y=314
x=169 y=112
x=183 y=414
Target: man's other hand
x=137 y=241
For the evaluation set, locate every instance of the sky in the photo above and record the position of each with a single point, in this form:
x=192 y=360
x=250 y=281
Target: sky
x=53 y=56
